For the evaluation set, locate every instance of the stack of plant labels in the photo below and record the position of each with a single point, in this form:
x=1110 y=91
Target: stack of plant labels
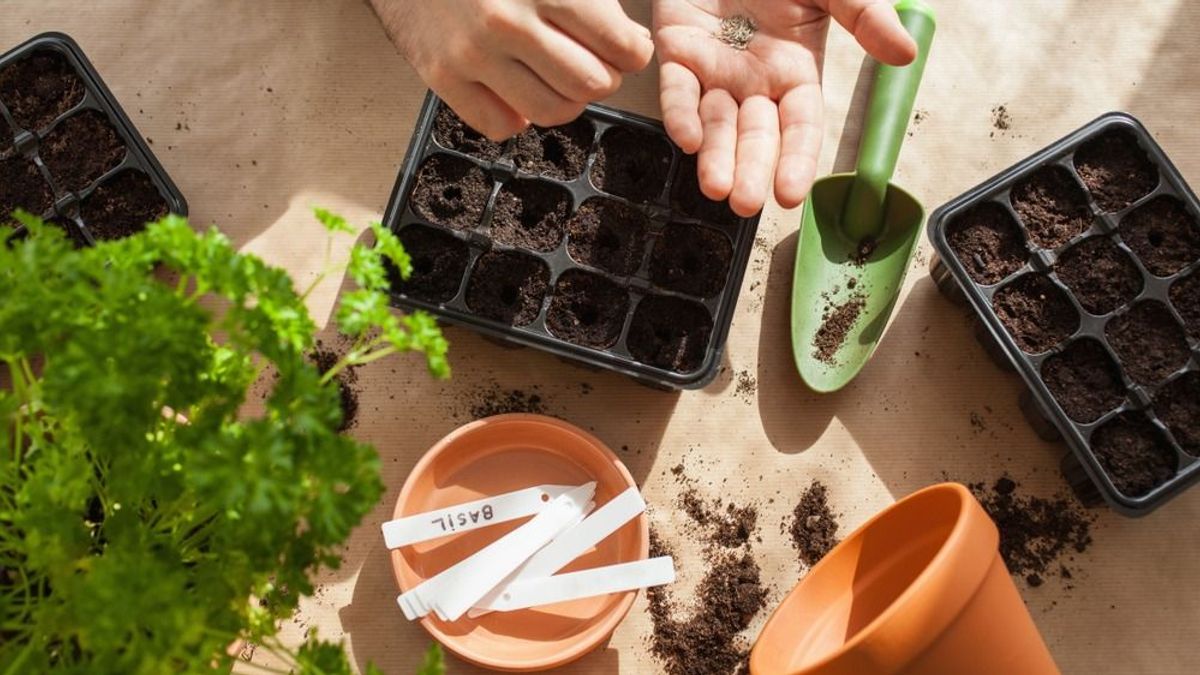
x=520 y=569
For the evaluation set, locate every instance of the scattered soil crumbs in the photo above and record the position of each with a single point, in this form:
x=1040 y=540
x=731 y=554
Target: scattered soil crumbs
x=1038 y=536
x=835 y=327
x=864 y=251
x=1001 y=119
x=747 y=386
x=814 y=527
x=737 y=31
x=727 y=525
x=492 y=400
x=325 y=358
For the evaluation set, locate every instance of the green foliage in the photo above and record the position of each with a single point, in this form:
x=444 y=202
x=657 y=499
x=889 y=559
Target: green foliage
x=136 y=541
x=434 y=663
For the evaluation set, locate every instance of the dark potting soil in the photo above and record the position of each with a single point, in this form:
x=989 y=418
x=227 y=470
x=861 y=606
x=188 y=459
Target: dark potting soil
x=670 y=333
x=1038 y=535
x=1178 y=406
x=439 y=261
x=451 y=132
x=508 y=287
x=1100 y=274
x=1115 y=170
x=609 y=235
x=724 y=524
x=814 y=526
x=530 y=214
x=1084 y=380
x=121 y=206
x=491 y=400
x=632 y=164
x=1036 y=312
x=987 y=241
x=691 y=259
x=1001 y=119
x=557 y=152
x=1134 y=454
x=325 y=358
x=81 y=149
x=1052 y=205
x=451 y=191
x=6 y=138
x=1185 y=296
x=22 y=187
x=587 y=309
x=40 y=88
x=1149 y=343
x=689 y=198
x=1165 y=237
x=836 y=324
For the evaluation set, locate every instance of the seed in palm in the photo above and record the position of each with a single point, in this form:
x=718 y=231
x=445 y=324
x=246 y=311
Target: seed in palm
x=737 y=31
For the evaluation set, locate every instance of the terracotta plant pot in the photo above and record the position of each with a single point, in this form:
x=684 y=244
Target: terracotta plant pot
x=920 y=588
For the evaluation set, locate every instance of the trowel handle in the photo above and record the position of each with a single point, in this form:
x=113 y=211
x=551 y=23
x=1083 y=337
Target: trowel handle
x=888 y=113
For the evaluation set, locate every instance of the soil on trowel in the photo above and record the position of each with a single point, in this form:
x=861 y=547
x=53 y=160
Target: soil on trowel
x=530 y=214
x=1036 y=313
x=609 y=235
x=508 y=287
x=1185 y=297
x=1052 y=205
x=1165 y=237
x=691 y=259
x=1039 y=536
x=22 y=187
x=632 y=164
x=81 y=149
x=451 y=191
x=1115 y=170
x=40 y=88
x=836 y=324
x=1134 y=454
x=1178 y=406
x=453 y=133
x=587 y=309
x=325 y=357
x=556 y=152
x=121 y=206
x=988 y=243
x=439 y=261
x=670 y=333
x=814 y=526
x=1149 y=343
x=1084 y=380
x=1100 y=275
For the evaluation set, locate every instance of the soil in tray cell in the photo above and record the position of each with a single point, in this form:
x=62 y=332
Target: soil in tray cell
x=1100 y=274
x=530 y=214
x=1150 y=344
x=40 y=88
x=670 y=333
x=988 y=243
x=689 y=198
x=1178 y=406
x=451 y=132
x=451 y=191
x=1165 y=237
x=691 y=259
x=632 y=164
x=1185 y=296
x=439 y=261
x=22 y=187
x=1084 y=380
x=608 y=234
x=81 y=149
x=1052 y=206
x=6 y=138
x=587 y=309
x=557 y=152
x=1036 y=313
x=1134 y=454
x=508 y=287
x=121 y=206
x=1115 y=170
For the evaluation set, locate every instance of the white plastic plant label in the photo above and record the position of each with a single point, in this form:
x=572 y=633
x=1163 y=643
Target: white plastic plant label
x=585 y=584
x=471 y=515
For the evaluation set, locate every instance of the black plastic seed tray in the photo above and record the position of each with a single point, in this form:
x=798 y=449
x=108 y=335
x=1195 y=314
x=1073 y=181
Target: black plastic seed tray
x=590 y=241
x=1082 y=265
x=69 y=152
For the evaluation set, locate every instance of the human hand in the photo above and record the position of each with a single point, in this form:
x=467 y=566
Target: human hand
x=754 y=113
x=502 y=64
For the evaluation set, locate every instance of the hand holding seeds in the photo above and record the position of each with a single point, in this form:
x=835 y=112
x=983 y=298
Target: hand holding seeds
x=741 y=85
x=502 y=64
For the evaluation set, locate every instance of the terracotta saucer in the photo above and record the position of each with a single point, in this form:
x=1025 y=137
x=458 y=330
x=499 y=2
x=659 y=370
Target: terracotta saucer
x=502 y=454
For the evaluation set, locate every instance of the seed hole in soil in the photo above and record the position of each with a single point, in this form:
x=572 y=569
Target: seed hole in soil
x=1178 y=406
x=1115 y=170
x=670 y=333
x=587 y=309
x=530 y=214
x=1036 y=313
x=1165 y=237
x=1100 y=274
x=609 y=235
x=988 y=243
x=1134 y=453
x=1150 y=344
x=632 y=164
x=687 y=195
x=557 y=152
x=22 y=187
x=451 y=132
x=1052 y=205
x=122 y=205
x=40 y=88
x=508 y=287
x=1185 y=296
x=1084 y=380
x=451 y=191
x=81 y=149
x=691 y=259
x=439 y=261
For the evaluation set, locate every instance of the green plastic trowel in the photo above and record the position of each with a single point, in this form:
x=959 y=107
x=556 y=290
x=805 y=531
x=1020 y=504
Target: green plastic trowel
x=859 y=232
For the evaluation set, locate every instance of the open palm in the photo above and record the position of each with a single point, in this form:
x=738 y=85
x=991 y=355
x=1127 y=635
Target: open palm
x=755 y=114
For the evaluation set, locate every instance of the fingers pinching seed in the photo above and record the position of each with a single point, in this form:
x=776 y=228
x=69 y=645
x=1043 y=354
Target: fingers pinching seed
x=757 y=152
x=603 y=27
x=526 y=93
x=719 y=117
x=482 y=109
x=567 y=66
